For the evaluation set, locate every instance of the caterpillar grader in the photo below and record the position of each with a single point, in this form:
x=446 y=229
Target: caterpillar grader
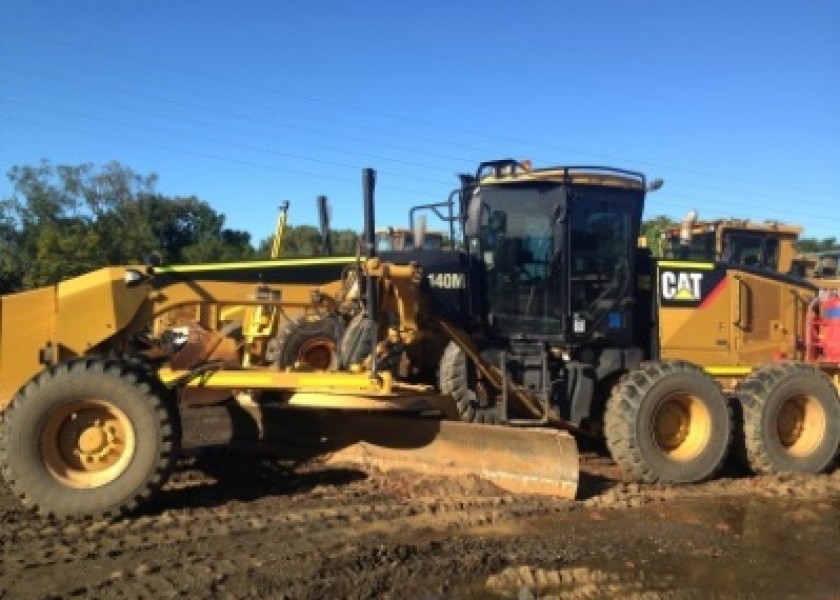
x=769 y=244
x=544 y=323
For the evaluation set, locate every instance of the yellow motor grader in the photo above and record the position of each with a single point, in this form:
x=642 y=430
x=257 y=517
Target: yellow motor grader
x=546 y=321
x=767 y=244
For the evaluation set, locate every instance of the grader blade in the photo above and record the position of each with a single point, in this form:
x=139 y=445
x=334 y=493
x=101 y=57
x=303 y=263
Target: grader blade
x=521 y=461
x=530 y=461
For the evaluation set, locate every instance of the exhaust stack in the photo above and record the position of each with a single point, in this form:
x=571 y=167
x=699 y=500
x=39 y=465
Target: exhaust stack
x=687 y=223
x=324 y=223
x=368 y=185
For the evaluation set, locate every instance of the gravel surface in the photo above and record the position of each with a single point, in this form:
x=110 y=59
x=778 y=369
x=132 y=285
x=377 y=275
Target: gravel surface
x=243 y=527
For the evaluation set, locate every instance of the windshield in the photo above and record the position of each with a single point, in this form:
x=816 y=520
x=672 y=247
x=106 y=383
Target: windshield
x=827 y=266
x=750 y=249
x=389 y=241
x=516 y=244
x=384 y=243
x=549 y=255
x=702 y=247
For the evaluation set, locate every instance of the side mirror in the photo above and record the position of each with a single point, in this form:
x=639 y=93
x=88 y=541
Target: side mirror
x=655 y=185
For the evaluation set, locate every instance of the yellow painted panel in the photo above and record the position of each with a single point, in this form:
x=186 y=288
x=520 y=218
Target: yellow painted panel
x=95 y=306
x=26 y=325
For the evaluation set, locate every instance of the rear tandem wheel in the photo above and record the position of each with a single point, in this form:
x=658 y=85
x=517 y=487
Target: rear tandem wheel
x=668 y=422
x=791 y=419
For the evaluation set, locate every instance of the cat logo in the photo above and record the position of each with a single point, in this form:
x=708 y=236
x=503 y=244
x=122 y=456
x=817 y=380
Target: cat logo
x=681 y=286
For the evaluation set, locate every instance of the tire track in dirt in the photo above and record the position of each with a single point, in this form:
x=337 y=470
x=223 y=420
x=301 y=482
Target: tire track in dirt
x=316 y=533
x=138 y=555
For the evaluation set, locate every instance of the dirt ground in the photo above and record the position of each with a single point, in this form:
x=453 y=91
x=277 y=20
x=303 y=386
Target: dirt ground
x=241 y=527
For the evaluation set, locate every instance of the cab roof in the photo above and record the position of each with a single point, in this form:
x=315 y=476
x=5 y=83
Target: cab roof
x=594 y=176
x=740 y=224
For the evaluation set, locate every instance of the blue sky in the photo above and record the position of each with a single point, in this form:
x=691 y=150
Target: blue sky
x=736 y=105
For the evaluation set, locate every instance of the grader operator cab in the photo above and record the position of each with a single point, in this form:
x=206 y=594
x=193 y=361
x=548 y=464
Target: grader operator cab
x=827 y=265
x=822 y=268
x=547 y=320
x=767 y=244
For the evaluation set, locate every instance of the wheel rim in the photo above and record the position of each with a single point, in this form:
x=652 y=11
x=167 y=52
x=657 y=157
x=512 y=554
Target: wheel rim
x=800 y=425
x=87 y=443
x=318 y=353
x=681 y=426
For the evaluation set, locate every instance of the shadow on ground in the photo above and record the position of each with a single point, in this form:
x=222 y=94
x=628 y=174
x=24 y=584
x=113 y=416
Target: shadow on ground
x=214 y=479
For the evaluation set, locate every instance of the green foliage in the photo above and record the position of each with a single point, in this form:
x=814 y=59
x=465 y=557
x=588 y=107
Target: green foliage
x=345 y=241
x=812 y=245
x=11 y=265
x=63 y=221
x=305 y=240
x=652 y=230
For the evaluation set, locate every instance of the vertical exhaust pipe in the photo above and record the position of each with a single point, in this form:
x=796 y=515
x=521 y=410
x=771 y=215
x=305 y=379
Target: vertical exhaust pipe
x=368 y=185
x=685 y=233
x=324 y=223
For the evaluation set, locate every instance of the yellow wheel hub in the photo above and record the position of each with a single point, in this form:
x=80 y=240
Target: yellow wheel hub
x=681 y=426
x=87 y=443
x=800 y=425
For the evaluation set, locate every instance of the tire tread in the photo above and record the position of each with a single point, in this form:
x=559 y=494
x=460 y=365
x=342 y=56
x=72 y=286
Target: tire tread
x=149 y=391
x=622 y=415
x=751 y=395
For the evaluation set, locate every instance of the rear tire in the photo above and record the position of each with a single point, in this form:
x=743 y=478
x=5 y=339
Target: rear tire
x=88 y=438
x=668 y=422
x=475 y=398
x=791 y=420
x=311 y=342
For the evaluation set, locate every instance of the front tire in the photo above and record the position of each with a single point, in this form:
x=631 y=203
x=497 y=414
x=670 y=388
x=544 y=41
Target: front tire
x=88 y=438
x=474 y=397
x=791 y=419
x=357 y=342
x=668 y=422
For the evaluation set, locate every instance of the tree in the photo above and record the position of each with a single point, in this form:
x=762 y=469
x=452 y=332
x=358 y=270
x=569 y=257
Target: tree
x=652 y=230
x=305 y=240
x=63 y=221
x=345 y=241
x=11 y=258
x=812 y=245
x=188 y=230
